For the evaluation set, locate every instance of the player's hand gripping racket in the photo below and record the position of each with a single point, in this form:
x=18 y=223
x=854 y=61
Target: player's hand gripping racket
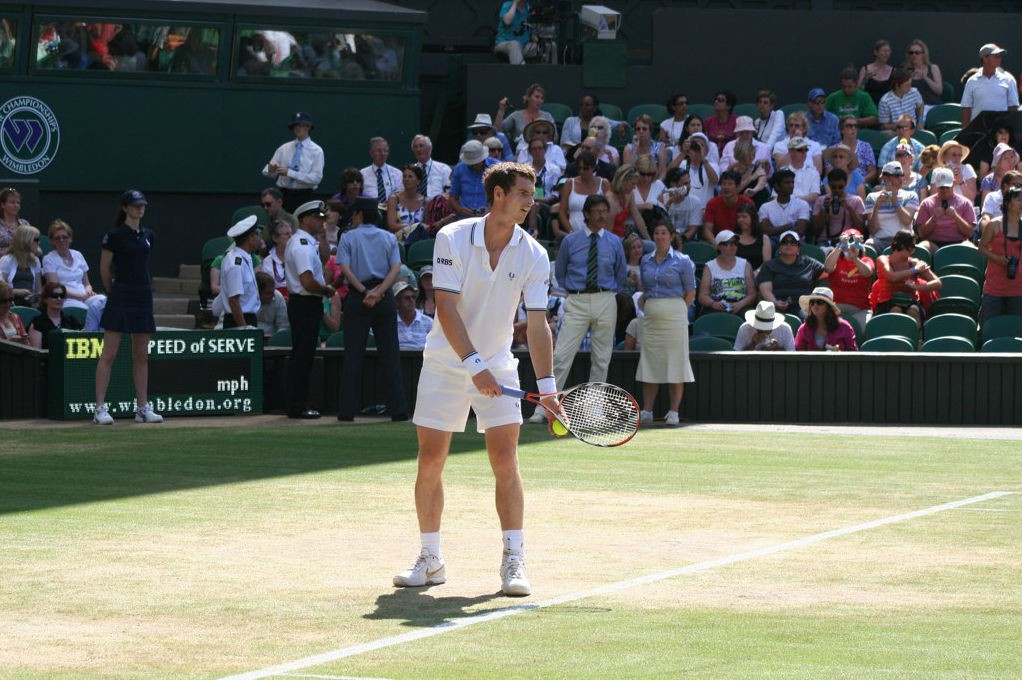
x=599 y=414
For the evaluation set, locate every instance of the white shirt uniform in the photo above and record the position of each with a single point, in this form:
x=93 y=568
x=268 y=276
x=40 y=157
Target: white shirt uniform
x=488 y=299
x=301 y=255
x=237 y=278
x=309 y=172
x=438 y=177
x=996 y=93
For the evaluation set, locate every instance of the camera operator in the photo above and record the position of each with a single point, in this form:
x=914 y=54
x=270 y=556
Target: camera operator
x=515 y=38
x=1000 y=244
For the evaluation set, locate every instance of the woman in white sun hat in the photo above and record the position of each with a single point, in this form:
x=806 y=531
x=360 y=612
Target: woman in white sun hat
x=823 y=330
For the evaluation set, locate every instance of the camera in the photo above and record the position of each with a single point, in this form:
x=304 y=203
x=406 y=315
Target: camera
x=835 y=205
x=943 y=204
x=1012 y=266
x=677 y=191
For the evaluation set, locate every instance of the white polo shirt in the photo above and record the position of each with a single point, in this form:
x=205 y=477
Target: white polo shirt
x=488 y=299
x=237 y=278
x=996 y=93
x=785 y=215
x=301 y=255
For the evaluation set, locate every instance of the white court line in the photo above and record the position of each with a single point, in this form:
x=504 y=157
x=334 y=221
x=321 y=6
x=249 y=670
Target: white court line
x=351 y=651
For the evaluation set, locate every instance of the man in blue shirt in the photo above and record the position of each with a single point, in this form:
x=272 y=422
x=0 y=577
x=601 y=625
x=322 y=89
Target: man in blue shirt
x=823 y=125
x=514 y=38
x=370 y=261
x=468 y=198
x=591 y=268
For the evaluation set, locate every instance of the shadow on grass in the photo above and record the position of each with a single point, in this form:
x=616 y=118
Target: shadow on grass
x=42 y=469
x=418 y=609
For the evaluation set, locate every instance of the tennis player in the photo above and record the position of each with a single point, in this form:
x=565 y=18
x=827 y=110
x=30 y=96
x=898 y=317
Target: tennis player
x=482 y=268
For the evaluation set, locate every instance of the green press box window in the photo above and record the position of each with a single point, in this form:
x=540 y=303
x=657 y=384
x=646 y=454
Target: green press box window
x=8 y=41
x=319 y=54
x=76 y=44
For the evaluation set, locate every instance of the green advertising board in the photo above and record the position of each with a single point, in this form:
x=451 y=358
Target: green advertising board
x=191 y=373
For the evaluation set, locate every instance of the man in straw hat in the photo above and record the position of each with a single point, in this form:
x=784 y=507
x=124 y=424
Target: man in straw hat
x=765 y=329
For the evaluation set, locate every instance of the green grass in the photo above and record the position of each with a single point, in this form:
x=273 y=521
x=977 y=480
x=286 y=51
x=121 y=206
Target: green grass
x=206 y=551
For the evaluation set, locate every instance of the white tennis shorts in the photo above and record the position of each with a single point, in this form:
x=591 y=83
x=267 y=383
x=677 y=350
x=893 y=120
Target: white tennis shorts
x=446 y=395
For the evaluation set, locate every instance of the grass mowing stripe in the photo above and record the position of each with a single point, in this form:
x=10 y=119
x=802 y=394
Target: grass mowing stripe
x=351 y=651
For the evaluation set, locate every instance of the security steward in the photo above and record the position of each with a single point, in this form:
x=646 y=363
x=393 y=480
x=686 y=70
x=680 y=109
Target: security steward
x=306 y=251
x=238 y=300
x=370 y=260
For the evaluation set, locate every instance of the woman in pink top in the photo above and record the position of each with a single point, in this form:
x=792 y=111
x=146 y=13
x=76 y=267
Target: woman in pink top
x=720 y=127
x=1000 y=245
x=823 y=330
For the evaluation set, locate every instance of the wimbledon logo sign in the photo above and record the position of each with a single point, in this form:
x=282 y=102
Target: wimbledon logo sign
x=29 y=135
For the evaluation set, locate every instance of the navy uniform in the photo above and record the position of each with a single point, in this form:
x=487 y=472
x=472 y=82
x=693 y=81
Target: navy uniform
x=370 y=260
x=304 y=305
x=129 y=305
x=237 y=277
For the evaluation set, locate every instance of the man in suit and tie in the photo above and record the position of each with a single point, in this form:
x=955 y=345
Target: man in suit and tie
x=380 y=179
x=436 y=175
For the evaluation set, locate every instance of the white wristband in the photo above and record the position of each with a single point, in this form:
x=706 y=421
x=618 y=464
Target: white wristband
x=474 y=363
x=546 y=385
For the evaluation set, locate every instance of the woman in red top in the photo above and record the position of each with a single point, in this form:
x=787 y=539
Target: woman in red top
x=1000 y=245
x=850 y=276
x=900 y=279
x=720 y=127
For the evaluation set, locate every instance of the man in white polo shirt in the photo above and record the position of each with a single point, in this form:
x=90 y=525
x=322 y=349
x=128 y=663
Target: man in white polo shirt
x=989 y=89
x=482 y=267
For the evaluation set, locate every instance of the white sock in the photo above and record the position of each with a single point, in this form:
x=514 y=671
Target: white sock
x=514 y=541
x=431 y=543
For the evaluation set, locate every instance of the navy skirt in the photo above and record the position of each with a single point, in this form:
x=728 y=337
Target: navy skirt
x=129 y=311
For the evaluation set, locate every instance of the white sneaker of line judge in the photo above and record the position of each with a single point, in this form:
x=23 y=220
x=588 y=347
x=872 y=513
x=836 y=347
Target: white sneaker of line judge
x=102 y=416
x=512 y=575
x=147 y=415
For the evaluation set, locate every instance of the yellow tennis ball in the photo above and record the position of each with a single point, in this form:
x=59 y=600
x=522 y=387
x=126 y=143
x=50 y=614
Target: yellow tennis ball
x=558 y=428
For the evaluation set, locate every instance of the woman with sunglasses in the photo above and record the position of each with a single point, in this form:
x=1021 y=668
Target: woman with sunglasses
x=22 y=268
x=863 y=150
x=720 y=127
x=10 y=208
x=727 y=283
x=1000 y=244
x=901 y=279
x=352 y=183
x=124 y=268
x=11 y=328
x=643 y=144
x=823 y=329
x=577 y=189
x=52 y=316
x=67 y=266
x=925 y=76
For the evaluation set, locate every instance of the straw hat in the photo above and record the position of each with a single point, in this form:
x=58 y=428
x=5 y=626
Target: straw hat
x=819 y=293
x=947 y=146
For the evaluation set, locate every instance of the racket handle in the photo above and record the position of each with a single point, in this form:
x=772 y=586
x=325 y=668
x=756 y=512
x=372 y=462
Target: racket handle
x=512 y=392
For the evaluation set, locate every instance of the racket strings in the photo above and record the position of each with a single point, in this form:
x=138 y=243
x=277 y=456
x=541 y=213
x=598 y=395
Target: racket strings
x=601 y=414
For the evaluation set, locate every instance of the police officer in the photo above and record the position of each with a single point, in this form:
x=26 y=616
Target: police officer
x=238 y=299
x=370 y=260
x=306 y=251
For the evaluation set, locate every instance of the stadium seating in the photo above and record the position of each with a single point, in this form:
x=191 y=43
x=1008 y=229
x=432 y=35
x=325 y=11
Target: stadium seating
x=750 y=110
x=704 y=111
x=789 y=109
x=709 y=344
x=612 y=111
x=76 y=313
x=794 y=321
x=948 y=344
x=560 y=112
x=925 y=137
x=943 y=117
x=26 y=314
x=948 y=135
x=1002 y=326
x=420 y=253
x=960 y=259
x=887 y=344
x=335 y=340
x=919 y=254
x=893 y=324
x=1004 y=344
x=657 y=112
x=874 y=138
x=281 y=339
x=958 y=293
x=813 y=251
x=218 y=245
x=720 y=324
x=950 y=324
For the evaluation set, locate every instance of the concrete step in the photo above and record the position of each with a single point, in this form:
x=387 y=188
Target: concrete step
x=190 y=272
x=170 y=304
x=176 y=321
x=188 y=287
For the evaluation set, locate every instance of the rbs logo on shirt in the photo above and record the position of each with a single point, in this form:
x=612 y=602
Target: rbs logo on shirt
x=444 y=261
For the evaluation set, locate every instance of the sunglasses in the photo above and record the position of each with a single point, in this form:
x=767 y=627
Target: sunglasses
x=915 y=51
x=789 y=242
x=37 y=239
x=57 y=296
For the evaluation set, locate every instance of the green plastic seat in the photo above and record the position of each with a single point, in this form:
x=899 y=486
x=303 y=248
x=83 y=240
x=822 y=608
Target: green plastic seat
x=925 y=137
x=950 y=324
x=887 y=344
x=919 y=254
x=960 y=285
x=709 y=344
x=959 y=259
x=420 y=253
x=560 y=112
x=874 y=138
x=704 y=111
x=893 y=324
x=789 y=109
x=720 y=324
x=1005 y=344
x=700 y=251
x=948 y=344
x=794 y=321
x=948 y=135
x=944 y=117
x=335 y=340
x=612 y=111
x=281 y=339
x=657 y=112
x=813 y=251
x=76 y=313
x=746 y=109
x=1002 y=326
x=25 y=313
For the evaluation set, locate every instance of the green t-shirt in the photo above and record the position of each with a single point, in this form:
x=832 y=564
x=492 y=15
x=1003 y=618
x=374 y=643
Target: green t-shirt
x=858 y=104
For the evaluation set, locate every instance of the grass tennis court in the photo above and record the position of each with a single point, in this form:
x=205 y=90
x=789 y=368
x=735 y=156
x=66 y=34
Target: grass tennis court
x=266 y=550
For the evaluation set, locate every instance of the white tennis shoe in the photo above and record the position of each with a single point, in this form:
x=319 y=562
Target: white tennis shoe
x=512 y=575
x=102 y=416
x=645 y=417
x=427 y=570
x=672 y=418
x=147 y=415
x=538 y=416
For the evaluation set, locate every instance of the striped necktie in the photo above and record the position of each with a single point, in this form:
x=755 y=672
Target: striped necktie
x=381 y=191
x=425 y=177
x=592 y=279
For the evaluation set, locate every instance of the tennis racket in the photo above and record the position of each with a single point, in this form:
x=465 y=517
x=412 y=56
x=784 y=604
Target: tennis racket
x=598 y=414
